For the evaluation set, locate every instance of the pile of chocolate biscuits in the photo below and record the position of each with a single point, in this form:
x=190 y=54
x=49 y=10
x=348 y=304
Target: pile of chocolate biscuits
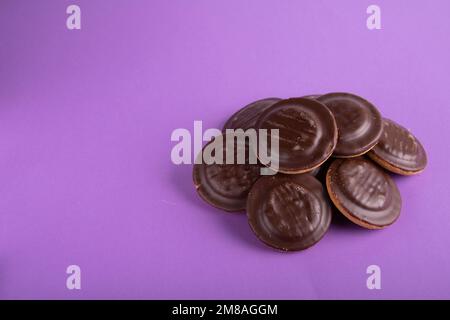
x=339 y=140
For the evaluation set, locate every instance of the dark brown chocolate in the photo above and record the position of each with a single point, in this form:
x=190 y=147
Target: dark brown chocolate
x=359 y=123
x=288 y=212
x=246 y=117
x=363 y=192
x=307 y=133
x=398 y=150
x=226 y=186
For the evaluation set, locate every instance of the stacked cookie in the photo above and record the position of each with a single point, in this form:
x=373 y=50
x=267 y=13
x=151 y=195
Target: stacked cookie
x=335 y=152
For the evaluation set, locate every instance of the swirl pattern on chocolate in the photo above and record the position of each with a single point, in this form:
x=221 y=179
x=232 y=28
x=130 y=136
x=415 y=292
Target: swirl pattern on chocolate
x=288 y=212
x=307 y=133
x=399 y=150
x=226 y=186
x=358 y=121
x=363 y=192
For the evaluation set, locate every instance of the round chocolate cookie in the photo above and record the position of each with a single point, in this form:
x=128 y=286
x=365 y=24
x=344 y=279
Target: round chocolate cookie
x=288 y=212
x=363 y=192
x=359 y=123
x=398 y=150
x=225 y=186
x=307 y=133
x=246 y=117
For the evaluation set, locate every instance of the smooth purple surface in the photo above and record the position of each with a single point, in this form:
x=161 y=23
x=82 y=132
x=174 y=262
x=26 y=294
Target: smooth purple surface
x=85 y=124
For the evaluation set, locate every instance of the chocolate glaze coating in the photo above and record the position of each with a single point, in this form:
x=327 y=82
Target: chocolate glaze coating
x=399 y=150
x=288 y=212
x=246 y=117
x=226 y=186
x=363 y=192
x=359 y=123
x=312 y=96
x=307 y=133
x=315 y=171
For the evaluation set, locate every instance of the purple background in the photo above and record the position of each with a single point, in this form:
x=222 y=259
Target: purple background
x=85 y=124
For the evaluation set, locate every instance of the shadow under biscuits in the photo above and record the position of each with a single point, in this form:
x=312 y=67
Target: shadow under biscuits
x=340 y=222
